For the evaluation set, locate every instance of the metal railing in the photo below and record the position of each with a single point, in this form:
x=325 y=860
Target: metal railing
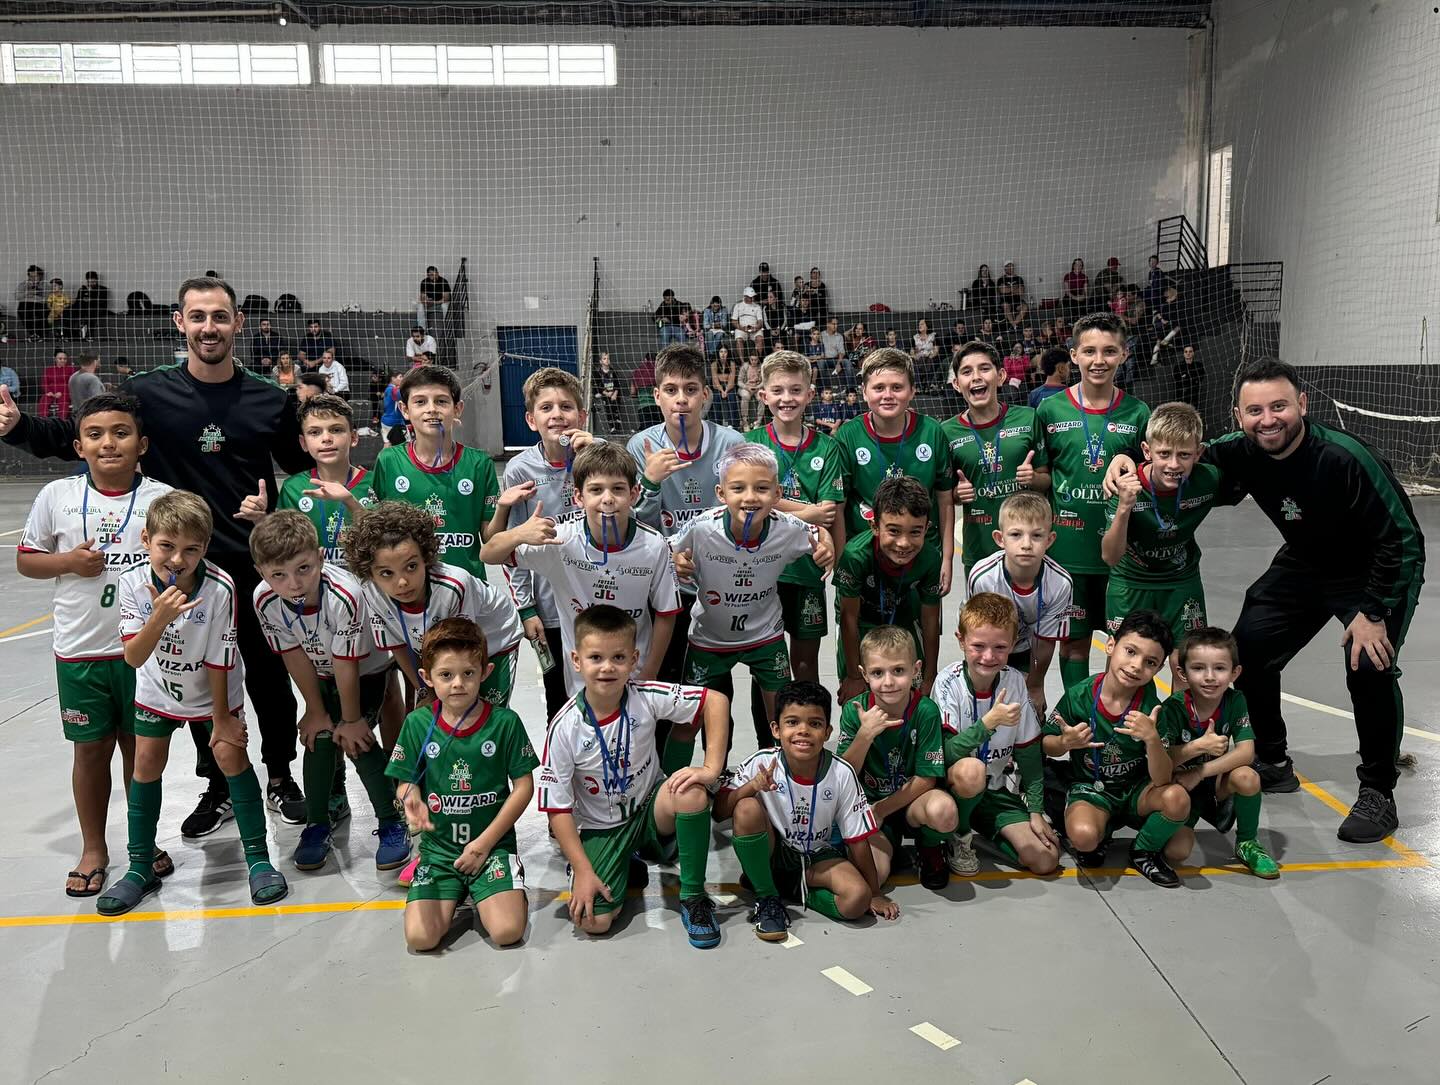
x=1260 y=285
x=1179 y=246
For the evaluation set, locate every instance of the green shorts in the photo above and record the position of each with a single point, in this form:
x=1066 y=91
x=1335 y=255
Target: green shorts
x=996 y=810
x=1122 y=803
x=97 y=698
x=1182 y=603
x=437 y=879
x=609 y=851
x=803 y=607
x=1087 y=606
x=372 y=697
x=769 y=664
x=497 y=688
x=149 y=725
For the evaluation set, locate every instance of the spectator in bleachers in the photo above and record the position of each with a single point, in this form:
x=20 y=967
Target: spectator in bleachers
x=1120 y=299
x=1014 y=306
x=777 y=321
x=858 y=343
x=987 y=331
x=690 y=321
x=667 y=319
x=1028 y=342
x=853 y=407
x=819 y=295
x=749 y=321
x=265 y=343
x=434 y=298
x=715 y=321
x=420 y=342
x=642 y=392
x=1154 y=282
x=11 y=380
x=983 y=293
x=802 y=317
x=334 y=374
x=1017 y=366
x=56 y=302
x=1106 y=283
x=752 y=408
x=30 y=302
x=55 y=387
x=1076 y=298
x=1188 y=375
x=948 y=341
x=92 y=306
x=827 y=411
x=725 y=399
x=798 y=291
x=310 y=384
x=926 y=352
x=815 y=348
x=85 y=381
x=892 y=341
x=764 y=282
x=283 y=372
x=1055 y=365
x=832 y=341
x=837 y=373
x=392 y=422
x=605 y=396
x=1165 y=325
x=316 y=342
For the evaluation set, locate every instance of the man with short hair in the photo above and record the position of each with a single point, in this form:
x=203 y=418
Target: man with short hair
x=316 y=342
x=434 y=297
x=420 y=342
x=91 y=306
x=763 y=283
x=265 y=343
x=84 y=382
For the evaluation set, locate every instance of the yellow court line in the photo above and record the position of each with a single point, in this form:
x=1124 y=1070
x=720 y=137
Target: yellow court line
x=25 y=625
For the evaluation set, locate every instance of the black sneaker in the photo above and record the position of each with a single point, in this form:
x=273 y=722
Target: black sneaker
x=1277 y=778
x=934 y=870
x=212 y=811
x=285 y=798
x=1153 y=867
x=772 y=922
x=1371 y=819
x=1090 y=859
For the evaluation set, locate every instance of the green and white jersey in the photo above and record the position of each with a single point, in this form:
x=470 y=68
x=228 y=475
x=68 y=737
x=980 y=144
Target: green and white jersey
x=1044 y=606
x=1123 y=763
x=812 y=471
x=555 y=491
x=1180 y=723
x=962 y=706
x=450 y=591
x=336 y=627
x=461 y=495
x=988 y=455
x=635 y=575
x=174 y=682
x=912 y=749
x=689 y=491
x=737 y=601
x=464 y=776
x=887 y=592
x=921 y=451
x=66 y=513
x=805 y=812
x=329 y=517
x=1160 y=546
x=603 y=769
x=1077 y=445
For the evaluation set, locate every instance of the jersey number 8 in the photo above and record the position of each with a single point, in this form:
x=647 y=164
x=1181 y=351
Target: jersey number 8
x=107 y=597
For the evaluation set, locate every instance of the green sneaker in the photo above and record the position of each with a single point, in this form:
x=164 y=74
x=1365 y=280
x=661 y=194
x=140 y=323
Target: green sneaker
x=1257 y=859
x=338 y=807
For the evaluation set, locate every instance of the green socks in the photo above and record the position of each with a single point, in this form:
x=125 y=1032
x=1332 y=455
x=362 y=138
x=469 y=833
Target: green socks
x=1156 y=832
x=966 y=808
x=678 y=755
x=318 y=771
x=692 y=838
x=930 y=838
x=144 y=815
x=1074 y=670
x=370 y=766
x=753 y=851
x=1247 y=817
x=250 y=817
x=823 y=901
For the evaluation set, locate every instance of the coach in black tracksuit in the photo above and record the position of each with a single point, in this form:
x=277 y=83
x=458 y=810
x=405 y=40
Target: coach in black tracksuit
x=1353 y=551
x=213 y=428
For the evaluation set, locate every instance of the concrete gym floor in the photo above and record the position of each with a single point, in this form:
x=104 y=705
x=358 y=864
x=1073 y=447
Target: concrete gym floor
x=1328 y=975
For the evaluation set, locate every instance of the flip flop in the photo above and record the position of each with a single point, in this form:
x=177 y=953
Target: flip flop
x=124 y=895
x=162 y=865
x=98 y=872
x=268 y=886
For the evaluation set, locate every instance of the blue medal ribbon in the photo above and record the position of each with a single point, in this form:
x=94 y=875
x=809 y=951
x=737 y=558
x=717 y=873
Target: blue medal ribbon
x=744 y=543
x=1095 y=447
x=85 y=511
x=814 y=795
x=424 y=624
x=1095 y=716
x=989 y=453
x=614 y=765
x=1160 y=521
x=789 y=480
x=899 y=749
x=607 y=524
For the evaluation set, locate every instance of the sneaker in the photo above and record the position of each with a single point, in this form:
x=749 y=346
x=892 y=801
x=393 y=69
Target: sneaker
x=284 y=797
x=407 y=875
x=1090 y=859
x=772 y=922
x=1277 y=778
x=934 y=874
x=394 y=848
x=338 y=808
x=212 y=811
x=1406 y=760
x=1153 y=868
x=698 y=915
x=1257 y=859
x=1371 y=819
x=961 y=857
x=313 y=849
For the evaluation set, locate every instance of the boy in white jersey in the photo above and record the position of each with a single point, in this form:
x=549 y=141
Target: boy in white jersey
x=604 y=555
x=801 y=794
x=678 y=460
x=177 y=622
x=988 y=723
x=1036 y=584
x=312 y=613
x=602 y=785
x=83 y=532
x=734 y=556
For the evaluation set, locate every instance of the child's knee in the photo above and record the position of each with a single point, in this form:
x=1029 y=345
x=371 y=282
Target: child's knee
x=95 y=755
x=1179 y=846
x=1174 y=802
x=598 y=925
x=1244 y=781
x=942 y=813
x=853 y=901
x=422 y=937
x=1037 y=858
x=1084 y=834
x=967 y=777
x=231 y=760
x=507 y=931
x=750 y=817
x=690 y=801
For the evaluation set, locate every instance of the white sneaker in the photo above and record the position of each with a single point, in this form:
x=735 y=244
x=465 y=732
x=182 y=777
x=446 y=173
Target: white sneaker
x=961 y=857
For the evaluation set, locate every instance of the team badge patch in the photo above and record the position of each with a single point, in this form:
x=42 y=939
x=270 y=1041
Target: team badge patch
x=466 y=486
x=817 y=462
x=487 y=748
x=862 y=456
x=402 y=484
x=305 y=504
x=923 y=453
x=212 y=437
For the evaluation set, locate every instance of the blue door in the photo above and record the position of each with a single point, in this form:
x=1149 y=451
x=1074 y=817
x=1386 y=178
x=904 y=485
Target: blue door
x=522 y=351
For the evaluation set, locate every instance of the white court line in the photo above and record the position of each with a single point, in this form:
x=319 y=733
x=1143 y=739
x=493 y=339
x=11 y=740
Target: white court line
x=7 y=534
x=1329 y=710
x=836 y=974
x=790 y=941
x=27 y=636
x=928 y=1032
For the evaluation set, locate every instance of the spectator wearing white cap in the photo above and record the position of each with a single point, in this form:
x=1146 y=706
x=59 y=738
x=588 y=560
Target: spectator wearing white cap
x=748 y=319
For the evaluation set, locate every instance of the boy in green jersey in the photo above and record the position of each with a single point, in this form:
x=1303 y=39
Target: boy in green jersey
x=891 y=737
x=1076 y=433
x=892 y=441
x=889 y=576
x=1213 y=749
x=1118 y=767
x=1150 y=543
x=334 y=491
x=992 y=448
x=464 y=776
x=453 y=483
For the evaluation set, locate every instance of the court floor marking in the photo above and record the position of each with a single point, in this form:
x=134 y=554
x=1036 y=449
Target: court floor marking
x=6 y=634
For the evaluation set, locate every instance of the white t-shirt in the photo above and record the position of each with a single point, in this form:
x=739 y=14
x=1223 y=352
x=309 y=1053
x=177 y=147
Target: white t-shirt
x=335 y=373
x=174 y=682
x=839 y=802
x=1044 y=608
x=337 y=627
x=577 y=778
x=555 y=492
x=425 y=346
x=961 y=706
x=66 y=513
x=748 y=316
x=449 y=592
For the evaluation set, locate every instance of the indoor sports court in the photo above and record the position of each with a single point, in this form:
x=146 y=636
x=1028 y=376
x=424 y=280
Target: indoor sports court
x=506 y=187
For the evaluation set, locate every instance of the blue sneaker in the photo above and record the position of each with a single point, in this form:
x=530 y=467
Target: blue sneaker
x=394 y=849
x=314 y=847
x=698 y=915
x=772 y=923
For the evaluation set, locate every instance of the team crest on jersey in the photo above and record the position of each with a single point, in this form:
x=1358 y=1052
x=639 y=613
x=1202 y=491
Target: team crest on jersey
x=923 y=453
x=495 y=869
x=487 y=748
x=211 y=438
x=827 y=794
x=744 y=577
x=697 y=673
x=432 y=750
x=466 y=486
x=1192 y=615
x=605 y=589
x=460 y=775
x=782 y=660
x=402 y=484
x=305 y=504
x=692 y=491
x=423 y=874
x=817 y=462
x=862 y=456
x=811 y=611
x=1289 y=509
x=108 y=532
x=435 y=506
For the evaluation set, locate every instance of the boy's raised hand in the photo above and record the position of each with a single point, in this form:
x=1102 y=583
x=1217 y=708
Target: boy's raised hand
x=327 y=491
x=513 y=495
x=580 y=439
x=964 y=489
x=660 y=463
x=1213 y=743
x=1140 y=725
x=685 y=565
x=167 y=605
x=874 y=720
x=1128 y=487
x=9 y=411
x=764 y=779
x=1078 y=737
x=1002 y=713
x=539 y=530
x=1025 y=473
x=822 y=549
x=85 y=560
x=255 y=506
